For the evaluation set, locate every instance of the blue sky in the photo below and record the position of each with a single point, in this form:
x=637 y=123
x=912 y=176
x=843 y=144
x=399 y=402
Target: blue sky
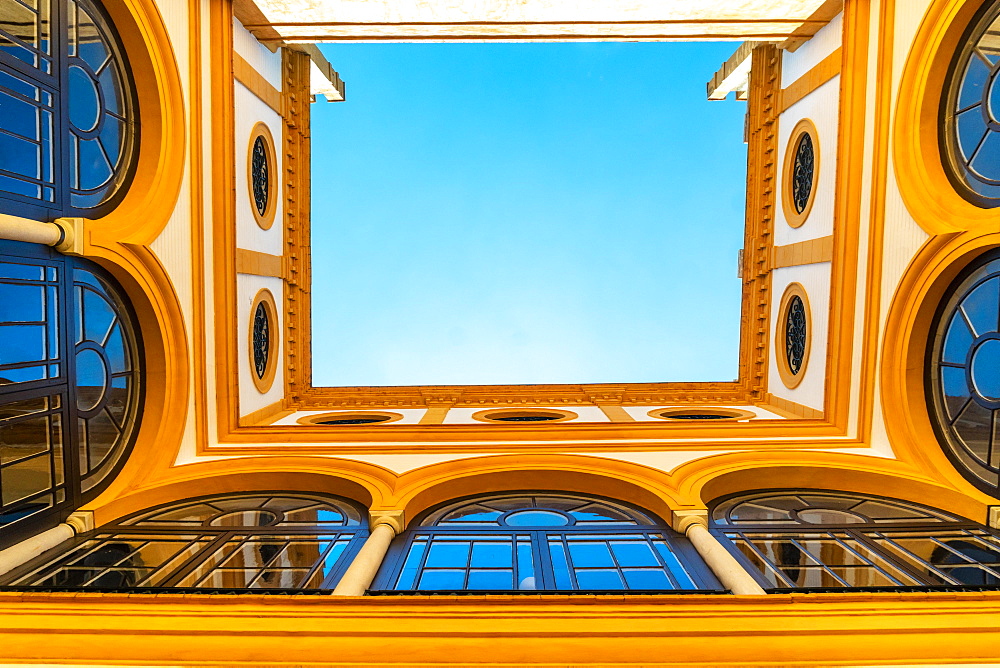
x=526 y=213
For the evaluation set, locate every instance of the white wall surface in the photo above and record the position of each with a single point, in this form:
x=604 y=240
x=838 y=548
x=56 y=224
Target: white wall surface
x=815 y=279
x=249 y=111
x=246 y=289
x=796 y=63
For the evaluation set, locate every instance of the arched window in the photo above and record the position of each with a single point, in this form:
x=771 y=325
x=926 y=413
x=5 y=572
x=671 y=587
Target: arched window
x=963 y=372
x=541 y=542
x=970 y=137
x=70 y=384
x=811 y=539
x=278 y=540
x=69 y=128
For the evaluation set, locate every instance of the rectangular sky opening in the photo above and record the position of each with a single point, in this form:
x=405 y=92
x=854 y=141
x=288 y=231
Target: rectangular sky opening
x=526 y=213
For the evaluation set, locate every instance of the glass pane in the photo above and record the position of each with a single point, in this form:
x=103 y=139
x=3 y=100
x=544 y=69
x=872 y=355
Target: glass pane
x=442 y=579
x=491 y=555
x=599 y=579
x=25 y=478
x=22 y=303
x=492 y=579
x=411 y=566
x=448 y=553
x=525 y=565
x=982 y=306
x=560 y=567
x=589 y=554
x=537 y=518
x=634 y=553
x=646 y=579
x=23 y=438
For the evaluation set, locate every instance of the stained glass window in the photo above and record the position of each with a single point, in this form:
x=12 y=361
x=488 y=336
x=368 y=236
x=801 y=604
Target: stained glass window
x=69 y=128
x=529 y=542
x=70 y=381
x=810 y=539
x=971 y=113
x=963 y=372
x=282 y=541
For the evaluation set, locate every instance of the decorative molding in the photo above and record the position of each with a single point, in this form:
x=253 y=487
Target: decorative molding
x=256 y=83
x=259 y=264
x=266 y=299
x=823 y=15
x=266 y=415
x=791 y=380
x=823 y=71
x=810 y=251
x=794 y=217
x=762 y=140
x=296 y=185
x=789 y=409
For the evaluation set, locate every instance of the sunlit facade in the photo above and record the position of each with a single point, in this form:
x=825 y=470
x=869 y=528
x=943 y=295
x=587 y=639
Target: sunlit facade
x=174 y=490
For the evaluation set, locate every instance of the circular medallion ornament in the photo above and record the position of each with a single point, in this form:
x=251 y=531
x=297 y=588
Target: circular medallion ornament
x=792 y=335
x=971 y=112
x=801 y=173
x=963 y=372
x=261 y=176
x=263 y=340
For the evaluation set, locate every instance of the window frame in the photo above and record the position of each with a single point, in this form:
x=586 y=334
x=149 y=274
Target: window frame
x=932 y=378
x=858 y=532
x=73 y=475
x=686 y=554
x=209 y=540
x=58 y=85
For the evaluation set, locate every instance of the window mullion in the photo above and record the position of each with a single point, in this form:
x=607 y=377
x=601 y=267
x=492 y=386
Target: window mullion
x=199 y=557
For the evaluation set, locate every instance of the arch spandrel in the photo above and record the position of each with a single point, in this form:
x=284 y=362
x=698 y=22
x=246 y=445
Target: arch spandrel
x=738 y=473
x=640 y=486
x=365 y=484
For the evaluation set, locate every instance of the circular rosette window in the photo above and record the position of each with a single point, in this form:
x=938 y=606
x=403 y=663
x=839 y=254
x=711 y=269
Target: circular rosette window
x=793 y=335
x=106 y=357
x=698 y=413
x=801 y=173
x=262 y=176
x=963 y=372
x=524 y=415
x=263 y=340
x=344 y=418
x=971 y=112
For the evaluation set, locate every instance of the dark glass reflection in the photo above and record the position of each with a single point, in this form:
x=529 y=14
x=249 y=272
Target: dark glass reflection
x=68 y=131
x=233 y=542
x=828 y=540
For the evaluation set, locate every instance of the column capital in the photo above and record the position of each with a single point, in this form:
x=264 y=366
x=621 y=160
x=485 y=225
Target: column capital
x=72 y=235
x=393 y=518
x=686 y=518
x=82 y=521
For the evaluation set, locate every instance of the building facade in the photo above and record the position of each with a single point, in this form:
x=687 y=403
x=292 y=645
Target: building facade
x=174 y=490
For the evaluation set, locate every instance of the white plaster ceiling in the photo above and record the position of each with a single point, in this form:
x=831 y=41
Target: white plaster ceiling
x=484 y=20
